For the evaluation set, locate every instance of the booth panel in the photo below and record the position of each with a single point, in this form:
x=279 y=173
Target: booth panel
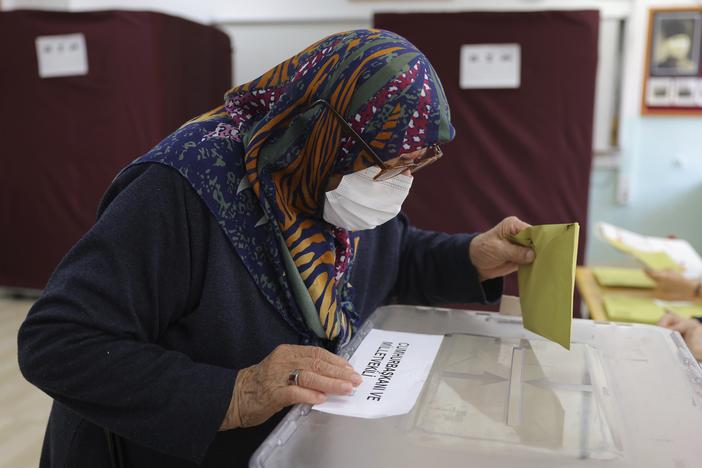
x=522 y=151
x=66 y=137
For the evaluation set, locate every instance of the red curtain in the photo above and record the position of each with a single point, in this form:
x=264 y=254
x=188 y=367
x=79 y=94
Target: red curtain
x=64 y=139
x=525 y=151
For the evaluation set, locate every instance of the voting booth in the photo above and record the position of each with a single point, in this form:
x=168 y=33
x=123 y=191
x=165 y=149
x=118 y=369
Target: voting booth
x=623 y=396
x=521 y=86
x=84 y=94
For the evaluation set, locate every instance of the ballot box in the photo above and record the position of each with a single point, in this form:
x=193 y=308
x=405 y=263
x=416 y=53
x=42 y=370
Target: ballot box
x=624 y=395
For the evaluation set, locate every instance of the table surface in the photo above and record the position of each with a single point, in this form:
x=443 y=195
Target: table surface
x=592 y=292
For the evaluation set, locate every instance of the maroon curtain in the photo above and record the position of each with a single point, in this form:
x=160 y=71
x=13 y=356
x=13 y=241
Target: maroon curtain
x=525 y=151
x=64 y=139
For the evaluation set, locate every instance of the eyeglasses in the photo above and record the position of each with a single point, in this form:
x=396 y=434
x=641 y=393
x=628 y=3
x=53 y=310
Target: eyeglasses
x=405 y=161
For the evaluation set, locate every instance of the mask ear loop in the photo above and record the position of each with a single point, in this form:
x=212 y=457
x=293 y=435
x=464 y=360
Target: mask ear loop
x=345 y=152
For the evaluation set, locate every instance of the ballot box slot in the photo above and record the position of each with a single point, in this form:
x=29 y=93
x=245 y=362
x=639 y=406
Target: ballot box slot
x=514 y=401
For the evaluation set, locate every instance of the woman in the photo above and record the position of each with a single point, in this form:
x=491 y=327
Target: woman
x=229 y=261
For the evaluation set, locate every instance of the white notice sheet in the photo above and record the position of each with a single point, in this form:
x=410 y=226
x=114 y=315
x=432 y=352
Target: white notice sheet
x=394 y=366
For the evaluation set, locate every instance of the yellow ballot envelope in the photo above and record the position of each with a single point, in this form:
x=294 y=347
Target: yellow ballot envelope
x=615 y=277
x=623 y=308
x=546 y=285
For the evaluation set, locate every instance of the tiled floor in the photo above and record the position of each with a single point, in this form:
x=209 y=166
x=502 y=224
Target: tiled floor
x=23 y=408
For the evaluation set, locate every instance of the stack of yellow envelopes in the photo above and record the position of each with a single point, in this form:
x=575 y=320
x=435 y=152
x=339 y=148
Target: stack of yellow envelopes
x=615 y=277
x=622 y=308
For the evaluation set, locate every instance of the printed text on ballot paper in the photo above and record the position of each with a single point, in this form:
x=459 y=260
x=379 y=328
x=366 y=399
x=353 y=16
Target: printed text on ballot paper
x=384 y=376
x=394 y=366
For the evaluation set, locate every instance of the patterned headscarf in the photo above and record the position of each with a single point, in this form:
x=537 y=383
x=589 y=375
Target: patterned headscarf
x=262 y=161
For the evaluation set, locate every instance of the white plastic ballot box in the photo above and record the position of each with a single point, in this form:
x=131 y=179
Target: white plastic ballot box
x=625 y=395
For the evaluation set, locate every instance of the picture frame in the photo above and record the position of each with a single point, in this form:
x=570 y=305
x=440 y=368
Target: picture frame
x=673 y=70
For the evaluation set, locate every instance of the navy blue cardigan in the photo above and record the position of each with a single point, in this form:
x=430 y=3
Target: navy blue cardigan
x=143 y=325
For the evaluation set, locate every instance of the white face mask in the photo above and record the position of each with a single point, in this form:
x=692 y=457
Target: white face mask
x=360 y=203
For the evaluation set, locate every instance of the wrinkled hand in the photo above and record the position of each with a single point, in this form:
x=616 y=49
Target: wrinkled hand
x=494 y=256
x=690 y=329
x=262 y=390
x=671 y=285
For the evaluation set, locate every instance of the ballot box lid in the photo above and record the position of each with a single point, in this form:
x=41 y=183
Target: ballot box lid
x=624 y=395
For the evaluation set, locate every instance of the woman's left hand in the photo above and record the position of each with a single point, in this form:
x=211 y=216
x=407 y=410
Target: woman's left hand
x=494 y=256
x=264 y=389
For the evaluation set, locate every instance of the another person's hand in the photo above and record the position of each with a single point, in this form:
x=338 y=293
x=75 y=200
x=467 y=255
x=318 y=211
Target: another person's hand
x=262 y=390
x=672 y=321
x=690 y=329
x=671 y=285
x=494 y=256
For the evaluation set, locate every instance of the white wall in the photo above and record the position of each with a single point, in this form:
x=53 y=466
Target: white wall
x=222 y=11
x=661 y=159
x=363 y=9
x=192 y=9
x=253 y=49
x=42 y=4
x=196 y=10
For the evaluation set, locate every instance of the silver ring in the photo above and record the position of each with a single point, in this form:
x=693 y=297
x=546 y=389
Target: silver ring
x=294 y=377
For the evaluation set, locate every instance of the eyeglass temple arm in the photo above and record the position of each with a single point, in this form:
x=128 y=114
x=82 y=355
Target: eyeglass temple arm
x=350 y=128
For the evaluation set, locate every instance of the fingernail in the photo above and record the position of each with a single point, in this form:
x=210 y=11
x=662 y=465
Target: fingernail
x=530 y=256
x=321 y=398
x=347 y=388
x=357 y=379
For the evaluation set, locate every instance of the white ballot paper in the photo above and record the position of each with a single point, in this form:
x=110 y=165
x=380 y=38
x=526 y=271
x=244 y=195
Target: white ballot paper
x=394 y=366
x=678 y=249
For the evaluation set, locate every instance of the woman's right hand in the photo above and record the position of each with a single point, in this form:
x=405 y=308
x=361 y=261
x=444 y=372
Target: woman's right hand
x=262 y=390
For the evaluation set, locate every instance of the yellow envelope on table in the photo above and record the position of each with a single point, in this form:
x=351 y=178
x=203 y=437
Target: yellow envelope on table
x=615 y=277
x=546 y=285
x=632 y=309
x=623 y=308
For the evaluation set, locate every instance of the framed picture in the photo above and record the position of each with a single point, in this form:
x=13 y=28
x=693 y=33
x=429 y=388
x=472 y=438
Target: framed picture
x=673 y=76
